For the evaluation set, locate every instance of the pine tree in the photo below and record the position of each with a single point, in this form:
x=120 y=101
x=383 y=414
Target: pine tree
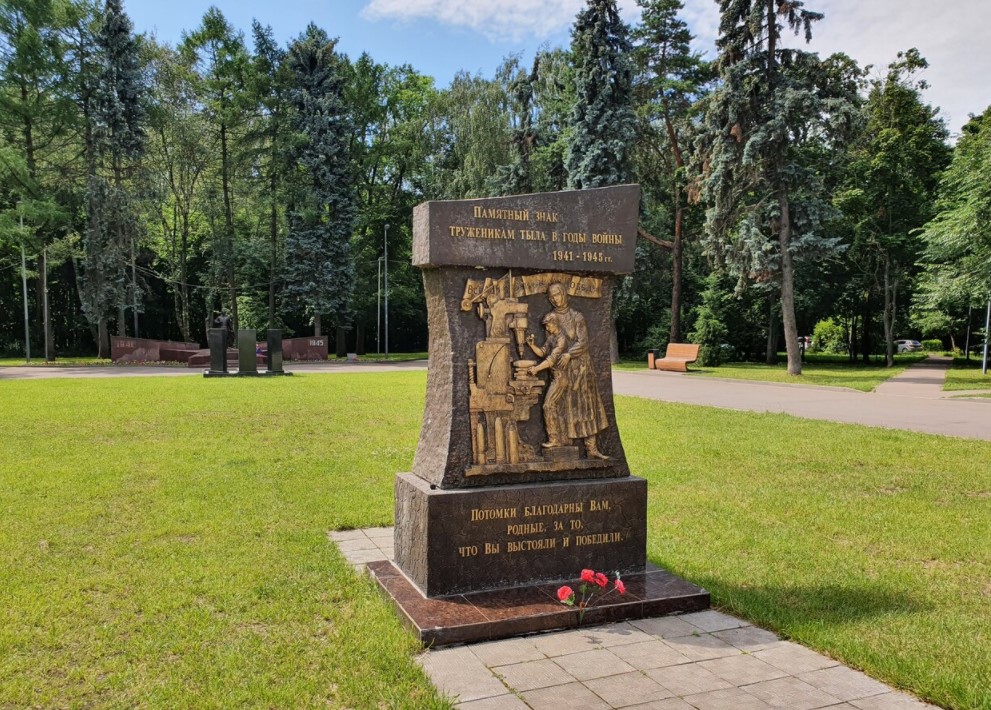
x=603 y=124
x=319 y=272
x=774 y=105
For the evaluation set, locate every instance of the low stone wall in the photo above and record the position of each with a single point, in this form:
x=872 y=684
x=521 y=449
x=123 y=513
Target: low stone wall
x=123 y=349
x=313 y=348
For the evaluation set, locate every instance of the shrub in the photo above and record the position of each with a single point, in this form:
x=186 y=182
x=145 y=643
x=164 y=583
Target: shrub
x=829 y=337
x=932 y=346
x=710 y=332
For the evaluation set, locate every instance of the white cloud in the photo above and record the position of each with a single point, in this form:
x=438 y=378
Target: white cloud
x=953 y=36
x=497 y=20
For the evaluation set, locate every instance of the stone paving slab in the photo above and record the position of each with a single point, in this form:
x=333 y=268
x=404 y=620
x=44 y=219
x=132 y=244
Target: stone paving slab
x=705 y=660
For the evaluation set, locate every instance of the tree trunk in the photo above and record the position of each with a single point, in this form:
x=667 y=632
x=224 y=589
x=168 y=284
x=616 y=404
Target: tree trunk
x=788 y=287
x=889 y=315
x=674 y=334
x=852 y=339
x=865 y=331
x=102 y=339
x=771 y=353
x=225 y=179
x=340 y=345
x=274 y=226
x=359 y=339
x=316 y=325
x=121 y=322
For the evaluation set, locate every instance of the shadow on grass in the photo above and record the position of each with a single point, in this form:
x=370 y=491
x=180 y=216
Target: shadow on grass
x=828 y=604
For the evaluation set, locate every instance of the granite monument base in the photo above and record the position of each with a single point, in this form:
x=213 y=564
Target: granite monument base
x=455 y=541
x=503 y=613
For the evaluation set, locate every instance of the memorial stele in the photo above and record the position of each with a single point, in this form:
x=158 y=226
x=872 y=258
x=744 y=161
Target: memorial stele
x=520 y=476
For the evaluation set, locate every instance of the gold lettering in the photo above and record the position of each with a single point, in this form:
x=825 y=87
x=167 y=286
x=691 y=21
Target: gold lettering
x=553 y=509
x=492 y=514
x=479 y=212
x=546 y=543
x=525 y=529
x=614 y=239
x=598 y=539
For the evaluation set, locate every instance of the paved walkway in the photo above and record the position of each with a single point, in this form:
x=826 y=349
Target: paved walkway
x=913 y=400
x=701 y=661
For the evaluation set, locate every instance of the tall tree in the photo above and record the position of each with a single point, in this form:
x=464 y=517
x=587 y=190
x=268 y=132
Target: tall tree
x=958 y=239
x=603 y=124
x=116 y=116
x=773 y=105
x=182 y=147
x=673 y=78
x=893 y=180
x=319 y=272
x=270 y=87
x=37 y=120
x=218 y=56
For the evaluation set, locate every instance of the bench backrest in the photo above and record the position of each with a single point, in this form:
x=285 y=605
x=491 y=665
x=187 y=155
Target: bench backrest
x=682 y=350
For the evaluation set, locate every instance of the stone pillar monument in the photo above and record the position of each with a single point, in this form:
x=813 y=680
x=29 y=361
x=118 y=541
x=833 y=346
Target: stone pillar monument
x=520 y=479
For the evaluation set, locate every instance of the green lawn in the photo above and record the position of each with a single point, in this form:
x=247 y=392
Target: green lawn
x=966 y=375
x=829 y=370
x=60 y=362
x=163 y=540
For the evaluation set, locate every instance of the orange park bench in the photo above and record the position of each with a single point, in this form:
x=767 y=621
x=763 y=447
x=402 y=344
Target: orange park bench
x=677 y=357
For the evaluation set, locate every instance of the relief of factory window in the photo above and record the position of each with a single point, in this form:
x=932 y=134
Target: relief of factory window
x=506 y=380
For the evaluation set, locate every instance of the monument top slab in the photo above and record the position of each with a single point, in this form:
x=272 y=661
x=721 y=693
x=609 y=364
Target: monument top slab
x=592 y=231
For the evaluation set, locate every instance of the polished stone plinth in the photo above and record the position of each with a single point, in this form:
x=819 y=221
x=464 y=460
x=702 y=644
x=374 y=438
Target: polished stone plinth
x=471 y=540
x=502 y=613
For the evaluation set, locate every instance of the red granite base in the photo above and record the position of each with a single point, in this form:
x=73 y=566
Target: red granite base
x=501 y=613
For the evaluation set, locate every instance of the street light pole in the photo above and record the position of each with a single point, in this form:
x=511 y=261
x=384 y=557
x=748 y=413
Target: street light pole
x=378 y=312
x=24 y=285
x=385 y=259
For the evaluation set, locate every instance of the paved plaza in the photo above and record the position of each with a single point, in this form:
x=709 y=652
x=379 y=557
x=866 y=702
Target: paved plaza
x=701 y=661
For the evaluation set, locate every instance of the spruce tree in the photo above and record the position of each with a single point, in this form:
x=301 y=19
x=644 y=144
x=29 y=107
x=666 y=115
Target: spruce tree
x=603 y=124
x=319 y=273
x=774 y=108
x=113 y=87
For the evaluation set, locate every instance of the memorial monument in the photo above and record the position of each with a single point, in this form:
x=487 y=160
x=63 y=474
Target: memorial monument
x=520 y=479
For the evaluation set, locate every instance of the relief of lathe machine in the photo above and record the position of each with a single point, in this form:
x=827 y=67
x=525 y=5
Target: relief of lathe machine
x=502 y=393
x=503 y=388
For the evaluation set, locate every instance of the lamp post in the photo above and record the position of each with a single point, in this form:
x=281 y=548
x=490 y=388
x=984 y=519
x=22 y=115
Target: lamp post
x=385 y=259
x=24 y=285
x=378 y=311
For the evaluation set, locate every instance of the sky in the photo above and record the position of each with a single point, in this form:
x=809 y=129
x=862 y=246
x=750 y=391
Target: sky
x=441 y=37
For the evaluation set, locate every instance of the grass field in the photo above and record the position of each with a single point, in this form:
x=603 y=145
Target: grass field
x=60 y=362
x=966 y=375
x=827 y=370
x=163 y=540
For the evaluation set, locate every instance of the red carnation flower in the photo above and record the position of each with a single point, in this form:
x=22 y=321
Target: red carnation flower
x=601 y=579
x=620 y=587
x=588 y=576
x=565 y=593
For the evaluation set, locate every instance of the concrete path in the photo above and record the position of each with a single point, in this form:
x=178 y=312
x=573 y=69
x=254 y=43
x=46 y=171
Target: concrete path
x=913 y=400
x=702 y=661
